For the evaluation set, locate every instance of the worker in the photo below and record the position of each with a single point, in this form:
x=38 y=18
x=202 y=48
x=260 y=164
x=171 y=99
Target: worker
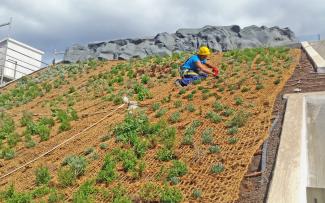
x=196 y=68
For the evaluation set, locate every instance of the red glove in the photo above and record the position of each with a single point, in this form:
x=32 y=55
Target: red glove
x=215 y=71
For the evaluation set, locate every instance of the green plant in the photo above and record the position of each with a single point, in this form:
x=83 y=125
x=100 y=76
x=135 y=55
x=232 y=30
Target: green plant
x=84 y=193
x=217 y=168
x=40 y=191
x=207 y=136
x=175 y=180
x=245 y=89
x=233 y=130
x=46 y=121
x=11 y=196
x=140 y=147
x=178 y=169
x=66 y=177
x=155 y=106
x=43 y=131
x=76 y=163
x=7 y=153
x=72 y=89
x=165 y=154
x=182 y=91
x=197 y=193
x=178 y=104
x=160 y=113
x=214 y=149
x=13 y=139
x=259 y=86
x=145 y=79
x=239 y=101
x=55 y=196
x=175 y=117
x=128 y=158
x=88 y=151
x=171 y=194
x=103 y=145
x=187 y=139
x=215 y=118
x=205 y=96
x=142 y=92
x=218 y=106
x=277 y=81
x=26 y=118
x=104 y=138
x=108 y=171
x=238 y=120
x=72 y=114
x=150 y=192
x=232 y=140
x=30 y=143
x=65 y=126
x=190 y=107
x=190 y=97
x=166 y=99
x=228 y=112
x=42 y=176
x=196 y=123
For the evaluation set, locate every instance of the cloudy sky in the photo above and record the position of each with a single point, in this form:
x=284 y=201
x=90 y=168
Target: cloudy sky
x=57 y=24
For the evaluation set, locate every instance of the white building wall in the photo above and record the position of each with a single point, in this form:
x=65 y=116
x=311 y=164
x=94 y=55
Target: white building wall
x=2 y=56
x=21 y=60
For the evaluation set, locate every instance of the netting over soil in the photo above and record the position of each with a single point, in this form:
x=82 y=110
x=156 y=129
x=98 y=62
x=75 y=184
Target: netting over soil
x=236 y=107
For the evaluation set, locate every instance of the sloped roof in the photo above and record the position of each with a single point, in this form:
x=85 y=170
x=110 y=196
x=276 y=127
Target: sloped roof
x=22 y=44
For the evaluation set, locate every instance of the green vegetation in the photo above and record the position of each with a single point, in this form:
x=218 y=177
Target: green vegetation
x=238 y=101
x=190 y=108
x=217 y=168
x=84 y=192
x=178 y=169
x=150 y=192
x=214 y=149
x=213 y=117
x=76 y=163
x=171 y=194
x=238 y=120
x=108 y=171
x=218 y=106
x=175 y=117
x=190 y=131
x=197 y=193
x=155 y=106
x=232 y=140
x=207 y=137
x=165 y=154
x=42 y=176
x=161 y=112
x=103 y=145
x=178 y=104
x=66 y=177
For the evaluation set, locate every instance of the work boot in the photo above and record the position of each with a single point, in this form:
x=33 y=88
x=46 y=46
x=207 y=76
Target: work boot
x=178 y=83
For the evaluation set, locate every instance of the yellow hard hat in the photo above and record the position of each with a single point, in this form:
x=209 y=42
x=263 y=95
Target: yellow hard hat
x=204 y=51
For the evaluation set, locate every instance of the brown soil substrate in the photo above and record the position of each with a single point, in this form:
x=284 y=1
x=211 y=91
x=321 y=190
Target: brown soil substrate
x=235 y=157
x=254 y=189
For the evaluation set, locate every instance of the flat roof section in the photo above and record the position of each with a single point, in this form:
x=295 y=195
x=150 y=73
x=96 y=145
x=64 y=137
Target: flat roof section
x=317 y=60
x=298 y=175
x=319 y=46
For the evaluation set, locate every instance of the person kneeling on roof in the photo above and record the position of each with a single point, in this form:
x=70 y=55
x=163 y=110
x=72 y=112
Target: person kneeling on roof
x=196 y=68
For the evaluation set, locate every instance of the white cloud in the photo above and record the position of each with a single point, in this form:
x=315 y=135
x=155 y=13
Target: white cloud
x=59 y=23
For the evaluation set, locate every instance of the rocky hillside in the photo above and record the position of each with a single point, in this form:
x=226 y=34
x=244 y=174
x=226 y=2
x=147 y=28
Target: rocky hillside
x=216 y=37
